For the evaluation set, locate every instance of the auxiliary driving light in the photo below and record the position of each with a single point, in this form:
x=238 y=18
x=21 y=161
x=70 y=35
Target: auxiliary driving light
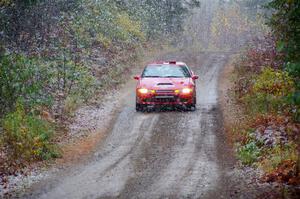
x=186 y=90
x=143 y=90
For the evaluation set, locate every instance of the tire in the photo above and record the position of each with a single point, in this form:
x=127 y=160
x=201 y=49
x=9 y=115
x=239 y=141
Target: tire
x=192 y=107
x=195 y=101
x=139 y=107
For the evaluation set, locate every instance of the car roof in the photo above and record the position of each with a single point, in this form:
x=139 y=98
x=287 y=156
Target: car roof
x=178 y=63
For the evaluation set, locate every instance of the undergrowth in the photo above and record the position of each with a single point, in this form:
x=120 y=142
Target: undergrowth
x=267 y=136
x=27 y=137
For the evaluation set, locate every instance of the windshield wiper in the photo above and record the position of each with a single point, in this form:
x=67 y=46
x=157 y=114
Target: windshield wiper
x=175 y=76
x=151 y=76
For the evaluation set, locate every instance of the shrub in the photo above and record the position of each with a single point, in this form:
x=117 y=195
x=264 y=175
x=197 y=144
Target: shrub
x=251 y=63
x=285 y=24
x=71 y=104
x=249 y=153
x=293 y=69
x=277 y=155
x=270 y=92
x=21 y=77
x=70 y=78
x=274 y=82
x=263 y=103
x=27 y=137
x=103 y=23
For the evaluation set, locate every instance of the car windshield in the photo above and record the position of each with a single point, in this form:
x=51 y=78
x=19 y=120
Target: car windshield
x=162 y=71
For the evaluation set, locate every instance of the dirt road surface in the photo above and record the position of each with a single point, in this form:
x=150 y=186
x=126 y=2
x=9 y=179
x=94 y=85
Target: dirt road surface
x=158 y=154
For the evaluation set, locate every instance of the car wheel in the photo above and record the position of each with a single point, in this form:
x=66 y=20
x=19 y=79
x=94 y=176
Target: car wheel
x=139 y=107
x=192 y=107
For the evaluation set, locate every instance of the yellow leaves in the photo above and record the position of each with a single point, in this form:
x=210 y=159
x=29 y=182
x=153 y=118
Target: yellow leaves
x=103 y=40
x=226 y=22
x=129 y=27
x=277 y=156
x=229 y=24
x=23 y=130
x=277 y=83
x=5 y=2
x=27 y=136
x=105 y=24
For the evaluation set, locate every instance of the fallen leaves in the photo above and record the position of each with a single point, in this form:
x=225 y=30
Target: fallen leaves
x=286 y=172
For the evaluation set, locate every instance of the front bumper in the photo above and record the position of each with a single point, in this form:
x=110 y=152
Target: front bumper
x=165 y=99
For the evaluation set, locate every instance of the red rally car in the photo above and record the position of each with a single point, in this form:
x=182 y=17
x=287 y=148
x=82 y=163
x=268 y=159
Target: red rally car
x=166 y=83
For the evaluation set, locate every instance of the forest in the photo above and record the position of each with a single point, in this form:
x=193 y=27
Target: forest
x=58 y=55
x=55 y=55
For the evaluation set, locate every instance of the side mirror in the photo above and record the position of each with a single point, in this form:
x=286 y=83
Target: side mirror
x=136 y=77
x=195 y=77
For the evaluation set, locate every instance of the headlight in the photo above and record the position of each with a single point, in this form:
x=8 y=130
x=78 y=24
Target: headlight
x=187 y=90
x=143 y=90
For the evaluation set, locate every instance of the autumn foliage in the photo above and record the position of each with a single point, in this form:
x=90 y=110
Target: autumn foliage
x=268 y=135
x=58 y=55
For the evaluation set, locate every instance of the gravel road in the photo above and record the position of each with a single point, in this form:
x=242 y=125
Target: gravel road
x=163 y=154
x=160 y=154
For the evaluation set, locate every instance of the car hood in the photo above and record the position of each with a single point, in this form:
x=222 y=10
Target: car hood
x=165 y=83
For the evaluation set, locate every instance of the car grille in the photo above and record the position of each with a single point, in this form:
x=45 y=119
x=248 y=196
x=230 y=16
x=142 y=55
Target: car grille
x=164 y=91
x=162 y=99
